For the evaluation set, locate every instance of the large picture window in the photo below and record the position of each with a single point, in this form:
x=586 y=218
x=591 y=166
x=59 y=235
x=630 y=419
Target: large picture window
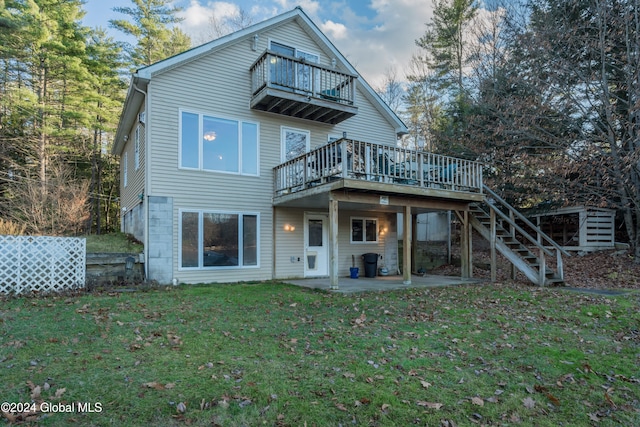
x=216 y=144
x=218 y=239
x=364 y=230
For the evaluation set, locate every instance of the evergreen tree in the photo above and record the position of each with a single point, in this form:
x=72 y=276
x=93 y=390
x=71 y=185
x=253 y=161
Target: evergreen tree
x=150 y=21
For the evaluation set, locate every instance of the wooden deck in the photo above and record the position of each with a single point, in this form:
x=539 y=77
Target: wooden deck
x=379 y=168
x=296 y=87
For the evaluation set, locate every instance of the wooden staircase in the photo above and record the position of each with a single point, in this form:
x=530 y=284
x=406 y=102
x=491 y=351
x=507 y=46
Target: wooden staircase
x=526 y=247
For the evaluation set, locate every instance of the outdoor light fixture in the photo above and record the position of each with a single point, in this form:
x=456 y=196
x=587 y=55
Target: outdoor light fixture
x=289 y=227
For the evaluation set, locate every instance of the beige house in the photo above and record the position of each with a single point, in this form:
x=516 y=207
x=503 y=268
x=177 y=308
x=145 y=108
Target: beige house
x=265 y=155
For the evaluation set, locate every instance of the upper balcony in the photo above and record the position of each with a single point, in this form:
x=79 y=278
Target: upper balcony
x=380 y=168
x=294 y=87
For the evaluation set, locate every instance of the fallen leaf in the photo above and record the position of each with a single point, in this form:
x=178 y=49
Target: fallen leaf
x=425 y=384
x=59 y=392
x=154 y=385
x=610 y=401
x=477 y=401
x=181 y=407
x=430 y=405
x=528 y=402
x=341 y=406
x=35 y=393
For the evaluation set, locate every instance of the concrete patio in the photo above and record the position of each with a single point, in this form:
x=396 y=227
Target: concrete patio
x=382 y=283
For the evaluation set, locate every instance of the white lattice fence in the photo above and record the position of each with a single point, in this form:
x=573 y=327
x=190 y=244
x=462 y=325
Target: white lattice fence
x=41 y=263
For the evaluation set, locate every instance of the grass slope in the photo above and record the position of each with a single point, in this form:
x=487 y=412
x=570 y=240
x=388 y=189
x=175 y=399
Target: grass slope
x=273 y=354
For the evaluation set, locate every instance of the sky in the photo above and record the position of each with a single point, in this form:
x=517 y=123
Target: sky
x=376 y=36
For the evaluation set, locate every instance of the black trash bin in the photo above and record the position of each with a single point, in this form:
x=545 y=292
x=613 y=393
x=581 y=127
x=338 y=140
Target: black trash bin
x=370 y=264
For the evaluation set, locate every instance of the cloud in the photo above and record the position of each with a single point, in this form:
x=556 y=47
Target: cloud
x=311 y=7
x=334 y=30
x=384 y=41
x=196 y=15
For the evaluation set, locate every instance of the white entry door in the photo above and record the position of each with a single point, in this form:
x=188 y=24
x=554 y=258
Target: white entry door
x=316 y=245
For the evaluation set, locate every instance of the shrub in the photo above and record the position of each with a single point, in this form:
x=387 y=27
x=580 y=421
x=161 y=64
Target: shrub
x=8 y=227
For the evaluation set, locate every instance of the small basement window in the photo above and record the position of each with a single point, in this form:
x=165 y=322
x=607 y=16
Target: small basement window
x=364 y=230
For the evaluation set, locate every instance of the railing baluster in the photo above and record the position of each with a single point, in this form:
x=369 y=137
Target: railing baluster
x=381 y=162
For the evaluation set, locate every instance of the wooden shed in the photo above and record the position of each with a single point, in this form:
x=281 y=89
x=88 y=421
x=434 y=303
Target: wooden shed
x=579 y=228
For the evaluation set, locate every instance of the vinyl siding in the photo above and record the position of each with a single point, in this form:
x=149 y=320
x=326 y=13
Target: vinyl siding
x=218 y=84
x=291 y=243
x=129 y=195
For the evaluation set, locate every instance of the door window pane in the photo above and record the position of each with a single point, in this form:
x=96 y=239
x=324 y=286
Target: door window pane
x=296 y=143
x=282 y=69
x=315 y=232
x=190 y=239
x=305 y=72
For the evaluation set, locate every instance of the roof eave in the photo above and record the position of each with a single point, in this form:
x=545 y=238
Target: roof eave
x=135 y=97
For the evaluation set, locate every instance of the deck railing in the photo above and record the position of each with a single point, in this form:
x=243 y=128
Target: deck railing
x=351 y=159
x=300 y=76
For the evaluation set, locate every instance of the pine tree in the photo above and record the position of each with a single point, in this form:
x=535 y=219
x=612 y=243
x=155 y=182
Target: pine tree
x=150 y=21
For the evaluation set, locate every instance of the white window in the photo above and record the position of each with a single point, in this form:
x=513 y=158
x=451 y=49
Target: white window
x=125 y=160
x=295 y=142
x=213 y=240
x=364 y=230
x=137 y=147
x=217 y=144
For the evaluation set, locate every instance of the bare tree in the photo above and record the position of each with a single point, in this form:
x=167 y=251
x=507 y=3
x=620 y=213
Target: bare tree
x=222 y=24
x=391 y=90
x=63 y=210
x=559 y=120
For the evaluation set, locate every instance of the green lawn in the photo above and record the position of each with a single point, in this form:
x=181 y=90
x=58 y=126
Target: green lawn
x=276 y=355
x=112 y=243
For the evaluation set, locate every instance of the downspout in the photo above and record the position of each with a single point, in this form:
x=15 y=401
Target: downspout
x=146 y=181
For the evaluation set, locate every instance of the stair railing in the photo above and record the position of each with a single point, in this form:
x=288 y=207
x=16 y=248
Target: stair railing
x=540 y=241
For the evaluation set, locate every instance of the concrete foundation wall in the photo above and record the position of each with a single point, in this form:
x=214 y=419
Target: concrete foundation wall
x=133 y=222
x=160 y=247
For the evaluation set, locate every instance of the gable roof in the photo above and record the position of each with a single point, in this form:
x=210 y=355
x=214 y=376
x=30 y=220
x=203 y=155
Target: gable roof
x=139 y=80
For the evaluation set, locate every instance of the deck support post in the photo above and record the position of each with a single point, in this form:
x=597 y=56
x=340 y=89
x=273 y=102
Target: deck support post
x=406 y=245
x=333 y=243
x=494 y=273
x=465 y=246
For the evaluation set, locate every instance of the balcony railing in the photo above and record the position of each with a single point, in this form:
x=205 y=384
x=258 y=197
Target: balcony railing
x=351 y=159
x=296 y=87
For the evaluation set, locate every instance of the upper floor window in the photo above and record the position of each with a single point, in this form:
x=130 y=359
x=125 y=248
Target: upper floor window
x=137 y=147
x=217 y=144
x=125 y=166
